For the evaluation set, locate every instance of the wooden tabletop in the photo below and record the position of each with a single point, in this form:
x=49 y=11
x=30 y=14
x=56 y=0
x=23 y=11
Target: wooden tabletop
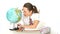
x=26 y=32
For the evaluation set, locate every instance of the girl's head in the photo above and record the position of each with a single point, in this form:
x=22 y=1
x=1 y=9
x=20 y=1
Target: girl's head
x=28 y=9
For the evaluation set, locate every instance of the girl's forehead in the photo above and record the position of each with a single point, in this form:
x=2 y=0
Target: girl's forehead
x=25 y=9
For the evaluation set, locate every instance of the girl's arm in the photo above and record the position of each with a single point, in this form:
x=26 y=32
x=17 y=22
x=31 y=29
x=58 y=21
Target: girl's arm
x=32 y=26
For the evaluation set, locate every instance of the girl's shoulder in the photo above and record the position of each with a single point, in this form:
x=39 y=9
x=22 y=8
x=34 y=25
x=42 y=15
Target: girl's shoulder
x=35 y=16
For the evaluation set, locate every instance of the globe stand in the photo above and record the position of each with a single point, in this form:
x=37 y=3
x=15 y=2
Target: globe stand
x=14 y=15
x=13 y=27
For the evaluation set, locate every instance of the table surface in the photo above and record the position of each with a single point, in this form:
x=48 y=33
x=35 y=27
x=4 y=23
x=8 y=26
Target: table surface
x=26 y=32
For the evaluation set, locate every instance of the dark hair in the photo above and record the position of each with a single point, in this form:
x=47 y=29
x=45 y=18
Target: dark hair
x=31 y=7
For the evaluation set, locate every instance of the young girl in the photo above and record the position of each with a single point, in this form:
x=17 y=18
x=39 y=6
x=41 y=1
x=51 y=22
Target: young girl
x=31 y=16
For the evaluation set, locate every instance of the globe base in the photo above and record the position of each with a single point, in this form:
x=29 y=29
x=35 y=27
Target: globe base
x=13 y=29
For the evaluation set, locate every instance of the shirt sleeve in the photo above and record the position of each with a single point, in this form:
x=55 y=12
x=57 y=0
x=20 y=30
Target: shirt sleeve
x=35 y=17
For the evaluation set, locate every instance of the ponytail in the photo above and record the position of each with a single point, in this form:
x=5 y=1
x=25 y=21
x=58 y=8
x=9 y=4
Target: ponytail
x=35 y=9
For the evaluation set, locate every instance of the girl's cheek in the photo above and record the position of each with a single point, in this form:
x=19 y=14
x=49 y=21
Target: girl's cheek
x=26 y=13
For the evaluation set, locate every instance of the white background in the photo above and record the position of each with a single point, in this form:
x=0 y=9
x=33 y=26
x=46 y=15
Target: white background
x=49 y=13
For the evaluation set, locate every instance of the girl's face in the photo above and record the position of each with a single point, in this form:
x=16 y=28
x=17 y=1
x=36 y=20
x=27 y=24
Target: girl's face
x=26 y=12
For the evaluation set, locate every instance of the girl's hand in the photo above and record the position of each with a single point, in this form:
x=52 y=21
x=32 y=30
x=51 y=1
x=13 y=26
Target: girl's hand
x=18 y=25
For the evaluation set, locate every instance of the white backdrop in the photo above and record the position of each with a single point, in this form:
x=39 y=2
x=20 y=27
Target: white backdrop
x=49 y=13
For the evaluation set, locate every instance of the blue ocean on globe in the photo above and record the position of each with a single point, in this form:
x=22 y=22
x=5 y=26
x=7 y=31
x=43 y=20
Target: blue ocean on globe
x=14 y=15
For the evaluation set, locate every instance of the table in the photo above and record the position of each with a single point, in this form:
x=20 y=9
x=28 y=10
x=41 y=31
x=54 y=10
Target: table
x=26 y=32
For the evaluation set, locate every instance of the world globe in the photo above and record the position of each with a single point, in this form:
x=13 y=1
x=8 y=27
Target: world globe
x=14 y=15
